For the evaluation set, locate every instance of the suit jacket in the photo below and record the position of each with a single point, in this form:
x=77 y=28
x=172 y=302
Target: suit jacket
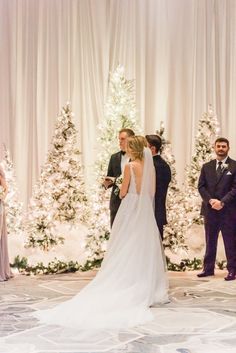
x=163 y=178
x=114 y=170
x=222 y=188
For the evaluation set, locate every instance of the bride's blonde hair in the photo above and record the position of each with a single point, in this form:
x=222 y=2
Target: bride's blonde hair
x=135 y=146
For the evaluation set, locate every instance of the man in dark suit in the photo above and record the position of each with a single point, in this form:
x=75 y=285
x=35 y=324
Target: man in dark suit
x=217 y=187
x=163 y=178
x=115 y=169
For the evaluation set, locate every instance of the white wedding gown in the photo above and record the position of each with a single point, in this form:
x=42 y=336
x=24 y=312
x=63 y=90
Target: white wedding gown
x=133 y=274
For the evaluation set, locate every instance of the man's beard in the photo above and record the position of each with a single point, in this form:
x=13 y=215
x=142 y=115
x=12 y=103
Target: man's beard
x=222 y=154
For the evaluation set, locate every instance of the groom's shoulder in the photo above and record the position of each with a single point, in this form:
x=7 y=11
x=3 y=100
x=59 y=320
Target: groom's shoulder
x=209 y=163
x=159 y=160
x=231 y=161
x=116 y=154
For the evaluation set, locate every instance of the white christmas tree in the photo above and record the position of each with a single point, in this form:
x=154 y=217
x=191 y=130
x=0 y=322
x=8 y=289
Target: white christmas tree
x=59 y=195
x=208 y=131
x=13 y=207
x=119 y=112
x=174 y=231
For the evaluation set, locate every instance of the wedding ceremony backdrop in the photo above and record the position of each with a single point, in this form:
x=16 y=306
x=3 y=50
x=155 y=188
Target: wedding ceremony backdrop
x=72 y=74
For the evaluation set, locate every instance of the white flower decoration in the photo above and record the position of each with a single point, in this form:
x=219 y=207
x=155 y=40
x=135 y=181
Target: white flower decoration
x=2 y=192
x=118 y=184
x=225 y=166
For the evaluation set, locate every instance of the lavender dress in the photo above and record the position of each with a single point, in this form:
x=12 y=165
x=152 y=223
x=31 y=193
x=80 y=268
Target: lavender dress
x=5 y=271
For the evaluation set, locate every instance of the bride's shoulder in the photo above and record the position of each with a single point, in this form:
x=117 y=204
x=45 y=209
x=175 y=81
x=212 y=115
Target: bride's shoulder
x=127 y=168
x=133 y=164
x=136 y=165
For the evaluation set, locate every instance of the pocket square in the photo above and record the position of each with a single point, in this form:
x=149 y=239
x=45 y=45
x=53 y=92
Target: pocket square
x=229 y=173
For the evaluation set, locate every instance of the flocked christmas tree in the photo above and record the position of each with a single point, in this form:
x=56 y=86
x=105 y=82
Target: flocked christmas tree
x=59 y=195
x=175 y=230
x=13 y=207
x=119 y=112
x=208 y=130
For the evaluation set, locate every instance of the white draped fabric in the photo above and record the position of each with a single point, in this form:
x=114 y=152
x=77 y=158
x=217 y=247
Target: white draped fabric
x=118 y=299
x=180 y=52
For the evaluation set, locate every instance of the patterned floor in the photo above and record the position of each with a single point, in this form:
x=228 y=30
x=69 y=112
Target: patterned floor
x=201 y=318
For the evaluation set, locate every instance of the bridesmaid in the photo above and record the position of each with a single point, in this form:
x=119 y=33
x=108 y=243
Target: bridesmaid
x=5 y=271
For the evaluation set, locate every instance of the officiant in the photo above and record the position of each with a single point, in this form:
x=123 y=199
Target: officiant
x=115 y=169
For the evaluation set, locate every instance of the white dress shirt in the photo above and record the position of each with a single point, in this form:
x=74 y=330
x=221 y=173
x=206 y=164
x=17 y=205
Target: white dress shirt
x=124 y=161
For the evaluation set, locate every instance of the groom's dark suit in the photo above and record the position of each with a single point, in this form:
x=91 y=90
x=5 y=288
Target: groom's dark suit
x=223 y=188
x=114 y=170
x=163 y=178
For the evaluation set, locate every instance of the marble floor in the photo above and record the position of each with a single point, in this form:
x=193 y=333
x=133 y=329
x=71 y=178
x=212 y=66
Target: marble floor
x=200 y=318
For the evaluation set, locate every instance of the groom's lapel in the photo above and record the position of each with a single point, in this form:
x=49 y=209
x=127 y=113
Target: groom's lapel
x=213 y=175
x=118 y=163
x=223 y=171
x=220 y=177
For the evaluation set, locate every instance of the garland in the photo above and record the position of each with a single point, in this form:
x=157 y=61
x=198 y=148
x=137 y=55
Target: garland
x=58 y=266
x=53 y=267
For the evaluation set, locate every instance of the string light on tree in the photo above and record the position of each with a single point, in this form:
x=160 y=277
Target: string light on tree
x=59 y=195
x=13 y=207
x=175 y=230
x=119 y=112
x=208 y=131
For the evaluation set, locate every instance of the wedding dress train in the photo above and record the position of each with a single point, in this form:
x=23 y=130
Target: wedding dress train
x=133 y=273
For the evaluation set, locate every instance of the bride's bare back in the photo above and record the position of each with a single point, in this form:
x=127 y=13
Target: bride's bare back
x=108 y=301
x=137 y=168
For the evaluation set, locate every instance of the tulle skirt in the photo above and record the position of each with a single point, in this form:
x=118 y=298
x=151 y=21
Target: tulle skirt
x=131 y=279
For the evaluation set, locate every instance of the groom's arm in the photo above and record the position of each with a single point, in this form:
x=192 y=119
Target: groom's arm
x=167 y=176
x=110 y=169
x=231 y=195
x=202 y=187
x=107 y=183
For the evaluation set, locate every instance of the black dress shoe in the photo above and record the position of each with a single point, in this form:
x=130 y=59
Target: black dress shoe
x=205 y=274
x=231 y=276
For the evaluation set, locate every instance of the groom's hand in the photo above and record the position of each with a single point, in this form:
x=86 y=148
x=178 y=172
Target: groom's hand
x=216 y=204
x=107 y=183
x=212 y=201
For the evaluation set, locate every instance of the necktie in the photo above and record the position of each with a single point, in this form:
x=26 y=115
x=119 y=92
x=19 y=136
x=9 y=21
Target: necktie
x=123 y=153
x=219 y=169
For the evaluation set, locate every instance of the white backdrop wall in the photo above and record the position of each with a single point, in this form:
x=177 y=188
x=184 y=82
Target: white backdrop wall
x=180 y=52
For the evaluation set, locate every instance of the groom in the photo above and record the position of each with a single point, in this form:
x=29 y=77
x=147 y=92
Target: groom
x=115 y=169
x=217 y=187
x=163 y=178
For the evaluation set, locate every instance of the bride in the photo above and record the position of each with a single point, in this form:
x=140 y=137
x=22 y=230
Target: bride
x=133 y=274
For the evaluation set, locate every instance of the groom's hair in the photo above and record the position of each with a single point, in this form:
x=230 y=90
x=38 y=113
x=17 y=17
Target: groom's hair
x=129 y=132
x=222 y=139
x=154 y=141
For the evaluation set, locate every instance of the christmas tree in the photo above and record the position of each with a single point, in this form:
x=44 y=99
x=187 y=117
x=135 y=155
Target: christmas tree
x=208 y=130
x=13 y=207
x=119 y=112
x=59 y=195
x=174 y=231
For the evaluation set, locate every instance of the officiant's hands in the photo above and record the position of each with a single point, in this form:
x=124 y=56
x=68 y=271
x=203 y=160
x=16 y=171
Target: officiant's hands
x=216 y=204
x=108 y=182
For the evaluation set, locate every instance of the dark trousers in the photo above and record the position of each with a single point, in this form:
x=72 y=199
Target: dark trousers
x=215 y=222
x=160 y=227
x=112 y=216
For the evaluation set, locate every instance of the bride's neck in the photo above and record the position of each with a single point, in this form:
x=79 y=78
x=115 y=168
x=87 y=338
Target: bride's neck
x=136 y=160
